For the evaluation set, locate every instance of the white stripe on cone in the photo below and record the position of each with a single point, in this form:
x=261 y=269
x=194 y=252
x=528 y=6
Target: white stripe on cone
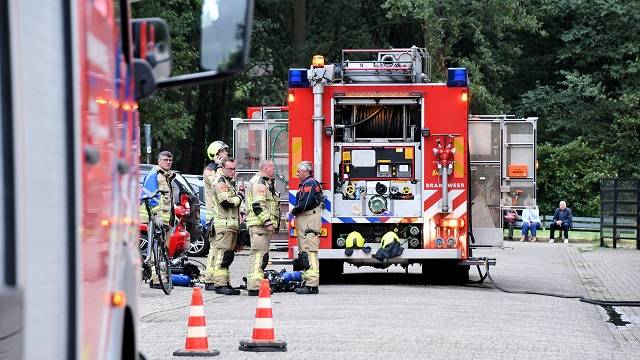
x=264 y=303
x=263 y=323
x=196 y=310
x=197 y=332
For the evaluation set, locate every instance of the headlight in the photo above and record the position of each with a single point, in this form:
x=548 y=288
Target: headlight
x=439 y=242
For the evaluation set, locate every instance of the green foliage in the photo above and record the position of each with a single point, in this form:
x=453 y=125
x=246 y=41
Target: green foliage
x=575 y=64
x=478 y=35
x=572 y=172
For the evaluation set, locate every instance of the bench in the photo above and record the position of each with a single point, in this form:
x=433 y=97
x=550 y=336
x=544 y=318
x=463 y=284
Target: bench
x=579 y=223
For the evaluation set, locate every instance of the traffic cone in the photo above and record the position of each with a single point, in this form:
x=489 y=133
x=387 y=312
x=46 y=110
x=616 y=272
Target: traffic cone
x=263 y=339
x=197 y=342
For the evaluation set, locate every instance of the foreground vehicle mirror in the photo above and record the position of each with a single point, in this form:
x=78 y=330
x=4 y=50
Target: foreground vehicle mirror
x=152 y=43
x=225 y=42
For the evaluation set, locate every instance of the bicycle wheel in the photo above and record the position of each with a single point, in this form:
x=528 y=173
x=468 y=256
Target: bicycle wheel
x=163 y=266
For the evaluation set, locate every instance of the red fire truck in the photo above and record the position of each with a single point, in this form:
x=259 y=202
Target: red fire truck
x=392 y=152
x=71 y=75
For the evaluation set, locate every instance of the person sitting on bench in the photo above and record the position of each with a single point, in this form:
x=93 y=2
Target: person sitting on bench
x=561 y=221
x=530 y=221
x=510 y=218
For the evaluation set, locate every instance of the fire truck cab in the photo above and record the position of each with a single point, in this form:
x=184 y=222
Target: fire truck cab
x=392 y=152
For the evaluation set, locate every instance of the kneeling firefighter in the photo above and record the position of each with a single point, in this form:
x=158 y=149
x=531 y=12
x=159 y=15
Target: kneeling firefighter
x=308 y=213
x=355 y=241
x=390 y=247
x=226 y=201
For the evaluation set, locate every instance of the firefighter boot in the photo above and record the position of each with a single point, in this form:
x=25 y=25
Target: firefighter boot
x=306 y=290
x=227 y=290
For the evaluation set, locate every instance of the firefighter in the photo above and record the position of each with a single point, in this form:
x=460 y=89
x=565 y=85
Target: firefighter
x=308 y=213
x=226 y=219
x=216 y=151
x=263 y=217
x=159 y=178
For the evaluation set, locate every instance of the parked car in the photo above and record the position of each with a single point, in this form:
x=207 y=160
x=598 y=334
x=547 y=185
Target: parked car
x=199 y=246
x=195 y=225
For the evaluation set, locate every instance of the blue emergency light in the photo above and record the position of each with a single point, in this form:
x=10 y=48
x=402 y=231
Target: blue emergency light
x=298 y=78
x=457 y=77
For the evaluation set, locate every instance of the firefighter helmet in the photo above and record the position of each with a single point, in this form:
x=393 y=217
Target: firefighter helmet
x=215 y=147
x=388 y=238
x=354 y=239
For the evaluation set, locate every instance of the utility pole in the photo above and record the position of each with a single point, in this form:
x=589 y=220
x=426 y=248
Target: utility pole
x=147 y=141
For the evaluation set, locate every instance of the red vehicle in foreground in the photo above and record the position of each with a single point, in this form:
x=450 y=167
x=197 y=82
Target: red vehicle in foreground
x=71 y=75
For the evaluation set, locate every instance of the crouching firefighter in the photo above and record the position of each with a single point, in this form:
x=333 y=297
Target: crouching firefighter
x=226 y=220
x=263 y=218
x=308 y=213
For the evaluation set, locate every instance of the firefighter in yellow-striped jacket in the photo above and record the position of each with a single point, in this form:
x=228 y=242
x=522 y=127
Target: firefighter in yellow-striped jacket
x=263 y=216
x=226 y=219
x=159 y=178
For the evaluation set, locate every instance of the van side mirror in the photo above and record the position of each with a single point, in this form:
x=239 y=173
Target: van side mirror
x=224 y=42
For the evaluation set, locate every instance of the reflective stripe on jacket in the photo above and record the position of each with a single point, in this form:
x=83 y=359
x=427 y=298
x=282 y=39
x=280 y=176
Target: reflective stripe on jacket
x=227 y=203
x=263 y=204
x=157 y=179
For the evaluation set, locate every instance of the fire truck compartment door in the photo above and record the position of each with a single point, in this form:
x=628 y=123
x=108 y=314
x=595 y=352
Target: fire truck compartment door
x=512 y=143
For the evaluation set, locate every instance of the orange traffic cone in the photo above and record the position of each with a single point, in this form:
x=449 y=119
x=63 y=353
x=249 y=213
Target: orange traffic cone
x=197 y=342
x=263 y=339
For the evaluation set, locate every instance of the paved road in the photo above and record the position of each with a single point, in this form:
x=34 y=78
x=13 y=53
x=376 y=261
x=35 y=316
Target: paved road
x=374 y=314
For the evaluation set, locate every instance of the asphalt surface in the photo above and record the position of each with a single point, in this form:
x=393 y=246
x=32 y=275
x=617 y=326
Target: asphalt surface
x=382 y=314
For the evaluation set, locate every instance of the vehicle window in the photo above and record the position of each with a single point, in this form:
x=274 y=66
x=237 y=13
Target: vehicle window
x=276 y=114
x=185 y=183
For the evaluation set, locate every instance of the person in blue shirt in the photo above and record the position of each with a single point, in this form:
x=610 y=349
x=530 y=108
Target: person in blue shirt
x=530 y=222
x=562 y=219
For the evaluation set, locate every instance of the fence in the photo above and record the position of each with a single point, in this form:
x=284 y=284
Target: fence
x=620 y=210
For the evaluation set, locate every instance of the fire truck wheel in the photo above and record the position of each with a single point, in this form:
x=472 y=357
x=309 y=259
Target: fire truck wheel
x=330 y=270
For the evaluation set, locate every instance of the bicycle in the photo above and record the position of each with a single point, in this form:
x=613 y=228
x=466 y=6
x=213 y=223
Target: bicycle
x=156 y=246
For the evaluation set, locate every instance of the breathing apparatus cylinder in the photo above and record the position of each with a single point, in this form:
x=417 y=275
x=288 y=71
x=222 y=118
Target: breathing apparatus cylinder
x=180 y=279
x=291 y=276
